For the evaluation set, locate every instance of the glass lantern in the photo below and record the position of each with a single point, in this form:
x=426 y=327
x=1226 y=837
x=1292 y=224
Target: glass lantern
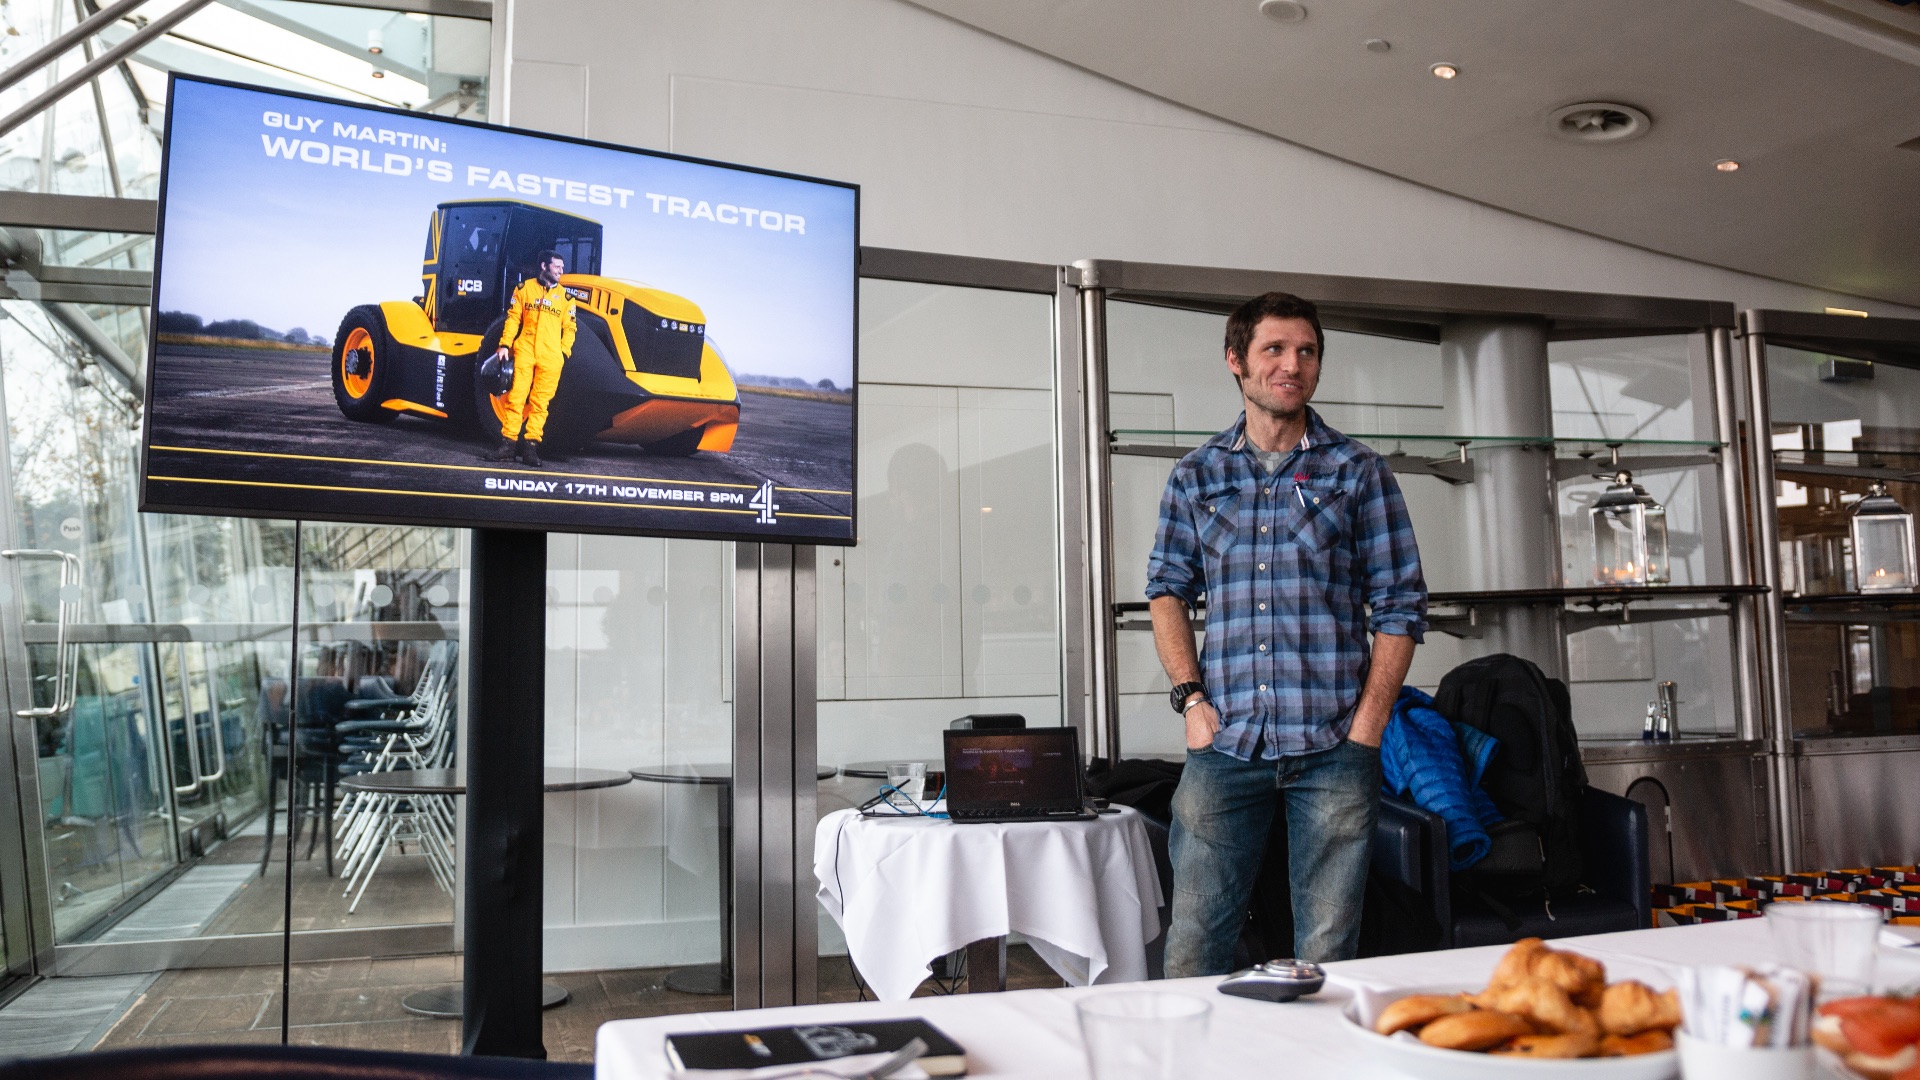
x=1883 y=557
x=1629 y=536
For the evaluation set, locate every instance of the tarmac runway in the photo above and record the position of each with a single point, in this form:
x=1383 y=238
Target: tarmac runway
x=256 y=431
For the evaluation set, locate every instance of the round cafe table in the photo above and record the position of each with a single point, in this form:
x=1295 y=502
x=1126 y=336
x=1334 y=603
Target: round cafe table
x=712 y=978
x=444 y=1002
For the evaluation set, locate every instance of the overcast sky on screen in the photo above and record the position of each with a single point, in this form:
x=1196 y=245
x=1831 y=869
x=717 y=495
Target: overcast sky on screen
x=286 y=243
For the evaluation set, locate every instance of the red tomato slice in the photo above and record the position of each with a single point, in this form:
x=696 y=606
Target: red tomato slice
x=1851 y=1006
x=1885 y=1030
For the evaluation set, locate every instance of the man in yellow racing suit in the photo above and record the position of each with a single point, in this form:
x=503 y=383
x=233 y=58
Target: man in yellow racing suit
x=539 y=332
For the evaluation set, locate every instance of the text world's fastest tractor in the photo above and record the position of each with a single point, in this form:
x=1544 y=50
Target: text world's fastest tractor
x=641 y=370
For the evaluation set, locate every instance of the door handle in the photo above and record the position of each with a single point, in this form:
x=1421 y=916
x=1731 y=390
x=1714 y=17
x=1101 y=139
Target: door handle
x=66 y=667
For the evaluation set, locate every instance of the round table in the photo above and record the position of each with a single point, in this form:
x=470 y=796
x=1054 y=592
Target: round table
x=445 y=1002
x=712 y=978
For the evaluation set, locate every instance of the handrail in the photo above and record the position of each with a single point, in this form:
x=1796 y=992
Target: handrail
x=65 y=676
x=99 y=64
x=53 y=49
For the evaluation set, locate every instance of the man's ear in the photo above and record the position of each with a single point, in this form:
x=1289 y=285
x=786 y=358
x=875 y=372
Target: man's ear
x=1236 y=364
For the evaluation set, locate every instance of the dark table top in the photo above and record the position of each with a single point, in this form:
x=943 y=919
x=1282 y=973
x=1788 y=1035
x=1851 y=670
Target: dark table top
x=706 y=773
x=444 y=782
x=877 y=770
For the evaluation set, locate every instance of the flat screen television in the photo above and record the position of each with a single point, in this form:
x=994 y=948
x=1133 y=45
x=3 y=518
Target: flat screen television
x=334 y=286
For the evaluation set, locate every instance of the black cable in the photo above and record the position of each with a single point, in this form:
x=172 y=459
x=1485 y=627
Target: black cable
x=293 y=770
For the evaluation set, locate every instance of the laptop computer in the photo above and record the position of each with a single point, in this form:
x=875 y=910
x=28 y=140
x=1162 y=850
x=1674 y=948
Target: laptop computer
x=1027 y=775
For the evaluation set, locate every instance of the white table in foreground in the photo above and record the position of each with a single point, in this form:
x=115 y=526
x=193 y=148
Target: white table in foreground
x=905 y=890
x=1034 y=1033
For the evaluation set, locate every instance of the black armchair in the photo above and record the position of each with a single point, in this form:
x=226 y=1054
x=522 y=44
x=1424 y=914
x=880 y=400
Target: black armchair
x=1410 y=846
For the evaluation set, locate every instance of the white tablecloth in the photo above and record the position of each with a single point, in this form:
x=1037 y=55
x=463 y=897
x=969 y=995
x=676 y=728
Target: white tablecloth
x=1034 y=1033
x=905 y=890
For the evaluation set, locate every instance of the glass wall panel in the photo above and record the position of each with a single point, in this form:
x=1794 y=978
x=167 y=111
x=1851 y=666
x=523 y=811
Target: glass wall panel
x=104 y=139
x=1650 y=397
x=639 y=684
x=948 y=606
x=1838 y=426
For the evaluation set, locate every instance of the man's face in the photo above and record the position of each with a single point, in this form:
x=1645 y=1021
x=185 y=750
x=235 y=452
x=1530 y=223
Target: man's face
x=1282 y=366
x=551 y=270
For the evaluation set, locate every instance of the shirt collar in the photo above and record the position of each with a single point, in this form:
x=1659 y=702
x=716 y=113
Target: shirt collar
x=1318 y=434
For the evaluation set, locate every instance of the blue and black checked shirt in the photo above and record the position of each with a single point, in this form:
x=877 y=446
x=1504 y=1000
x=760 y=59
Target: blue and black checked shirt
x=1290 y=563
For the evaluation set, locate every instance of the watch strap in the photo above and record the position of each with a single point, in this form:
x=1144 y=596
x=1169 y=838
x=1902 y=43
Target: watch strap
x=1184 y=691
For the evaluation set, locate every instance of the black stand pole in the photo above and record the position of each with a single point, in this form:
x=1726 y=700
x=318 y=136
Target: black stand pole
x=506 y=753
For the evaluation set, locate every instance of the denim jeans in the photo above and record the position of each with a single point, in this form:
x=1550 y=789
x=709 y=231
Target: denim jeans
x=1221 y=815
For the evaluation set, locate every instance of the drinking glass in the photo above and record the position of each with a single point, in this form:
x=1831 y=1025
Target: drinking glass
x=908 y=777
x=1143 y=1034
x=1836 y=941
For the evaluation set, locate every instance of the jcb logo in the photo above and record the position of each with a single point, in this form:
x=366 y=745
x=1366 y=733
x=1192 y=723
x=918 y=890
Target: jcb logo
x=469 y=286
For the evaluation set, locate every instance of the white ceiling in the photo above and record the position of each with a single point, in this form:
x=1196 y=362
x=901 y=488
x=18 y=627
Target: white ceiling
x=1812 y=97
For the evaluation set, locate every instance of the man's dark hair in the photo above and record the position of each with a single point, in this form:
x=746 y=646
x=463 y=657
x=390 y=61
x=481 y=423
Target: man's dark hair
x=1273 y=305
x=547 y=255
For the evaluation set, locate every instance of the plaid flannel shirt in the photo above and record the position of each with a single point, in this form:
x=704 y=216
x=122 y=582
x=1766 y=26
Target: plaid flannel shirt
x=1290 y=562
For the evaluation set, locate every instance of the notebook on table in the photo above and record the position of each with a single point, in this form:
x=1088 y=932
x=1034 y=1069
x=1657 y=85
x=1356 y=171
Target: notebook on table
x=1028 y=775
x=808 y=1044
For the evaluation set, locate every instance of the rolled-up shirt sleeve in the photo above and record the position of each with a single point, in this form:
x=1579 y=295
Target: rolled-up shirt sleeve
x=1177 y=566
x=1388 y=559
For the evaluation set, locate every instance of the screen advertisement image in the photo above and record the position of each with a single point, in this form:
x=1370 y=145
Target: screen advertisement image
x=366 y=314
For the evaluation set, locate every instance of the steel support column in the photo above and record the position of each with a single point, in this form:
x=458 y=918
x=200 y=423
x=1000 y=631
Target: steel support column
x=1496 y=384
x=1743 y=619
x=1070 y=445
x=1766 y=534
x=774 y=924
x=1104 y=679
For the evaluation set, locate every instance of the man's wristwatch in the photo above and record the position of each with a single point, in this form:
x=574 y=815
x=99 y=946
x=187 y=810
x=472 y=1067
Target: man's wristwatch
x=1184 y=691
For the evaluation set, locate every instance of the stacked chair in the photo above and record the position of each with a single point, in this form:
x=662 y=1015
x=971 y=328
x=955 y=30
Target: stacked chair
x=399 y=733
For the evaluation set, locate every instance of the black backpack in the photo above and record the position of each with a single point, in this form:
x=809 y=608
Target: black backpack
x=1535 y=778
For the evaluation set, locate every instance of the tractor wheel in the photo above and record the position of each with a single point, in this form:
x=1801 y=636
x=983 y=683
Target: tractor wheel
x=681 y=445
x=485 y=418
x=363 y=366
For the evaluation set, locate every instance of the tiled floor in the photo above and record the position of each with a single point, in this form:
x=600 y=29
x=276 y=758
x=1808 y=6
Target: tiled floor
x=356 y=1003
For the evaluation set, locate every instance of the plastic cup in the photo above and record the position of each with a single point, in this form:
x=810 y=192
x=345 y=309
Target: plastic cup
x=1838 y=942
x=908 y=777
x=1711 y=1061
x=1143 y=1034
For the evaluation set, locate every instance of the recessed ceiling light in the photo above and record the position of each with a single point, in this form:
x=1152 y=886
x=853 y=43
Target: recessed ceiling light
x=1375 y=44
x=1727 y=165
x=1444 y=71
x=378 y=74
x=1855 y=312
x=375 y=50
x=1283 y=11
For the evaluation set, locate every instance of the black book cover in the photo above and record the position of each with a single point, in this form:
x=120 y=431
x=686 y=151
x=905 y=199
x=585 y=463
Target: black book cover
x=805 y=1044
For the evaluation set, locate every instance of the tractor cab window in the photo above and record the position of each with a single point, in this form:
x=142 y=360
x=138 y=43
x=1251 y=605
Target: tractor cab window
x=473 y=289
x=535 y=230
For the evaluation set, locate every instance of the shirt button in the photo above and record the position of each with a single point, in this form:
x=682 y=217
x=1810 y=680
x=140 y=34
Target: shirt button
x=1263 y=607
x=1263 y=566
x=1263 y=687
x=1268 y=491
x=1263 y=646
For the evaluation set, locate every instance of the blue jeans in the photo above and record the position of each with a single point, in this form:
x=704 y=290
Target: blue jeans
x=1221 y=815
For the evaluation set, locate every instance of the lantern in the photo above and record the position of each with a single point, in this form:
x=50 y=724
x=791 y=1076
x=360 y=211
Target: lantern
x=1629 y=536
x=1882 y=543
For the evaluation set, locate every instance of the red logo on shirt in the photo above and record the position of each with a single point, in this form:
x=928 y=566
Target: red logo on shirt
x=1299 y=478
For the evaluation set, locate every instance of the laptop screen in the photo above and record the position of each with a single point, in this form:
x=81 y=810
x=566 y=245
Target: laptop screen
x=1035 y=767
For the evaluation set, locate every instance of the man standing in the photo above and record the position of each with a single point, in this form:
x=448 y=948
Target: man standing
x=1299 y=539
x=539 y=332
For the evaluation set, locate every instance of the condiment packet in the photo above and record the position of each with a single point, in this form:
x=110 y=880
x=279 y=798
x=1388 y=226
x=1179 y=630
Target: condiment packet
x=1769 y=1006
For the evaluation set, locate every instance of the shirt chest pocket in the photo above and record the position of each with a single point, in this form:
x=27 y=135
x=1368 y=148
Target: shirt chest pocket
x=1323 y=517
x=1218 y=520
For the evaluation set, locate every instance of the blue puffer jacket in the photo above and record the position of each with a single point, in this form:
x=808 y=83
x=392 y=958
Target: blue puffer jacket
x=1425 y=758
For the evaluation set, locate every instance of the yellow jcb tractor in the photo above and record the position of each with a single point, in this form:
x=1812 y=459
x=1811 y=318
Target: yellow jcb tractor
x=641 y=371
